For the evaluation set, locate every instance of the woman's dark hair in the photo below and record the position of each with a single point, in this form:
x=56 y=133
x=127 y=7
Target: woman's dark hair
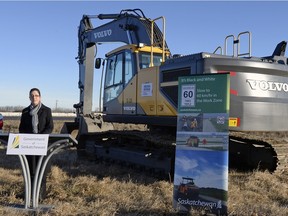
x=35 y=89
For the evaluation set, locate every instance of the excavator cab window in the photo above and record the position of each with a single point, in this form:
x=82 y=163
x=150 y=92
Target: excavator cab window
x=145 y=59
x=128 y=67
x=110 y=71
x=119 y=72
x=118 y=75
x=114 y=76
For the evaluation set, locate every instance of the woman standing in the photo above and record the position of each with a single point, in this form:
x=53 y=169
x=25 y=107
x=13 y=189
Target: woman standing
x=36 y=119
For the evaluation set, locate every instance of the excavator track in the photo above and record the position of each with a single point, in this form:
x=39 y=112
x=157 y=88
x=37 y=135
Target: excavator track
x=144 y=150
x=153 y=149
x=263 y=150
x=138 y=149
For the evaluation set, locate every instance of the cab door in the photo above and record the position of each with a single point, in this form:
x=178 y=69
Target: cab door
x=119 y=88
x=130 y=85
x=113 y=84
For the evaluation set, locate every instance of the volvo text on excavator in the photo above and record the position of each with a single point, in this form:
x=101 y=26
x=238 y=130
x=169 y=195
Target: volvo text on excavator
x=258 y=94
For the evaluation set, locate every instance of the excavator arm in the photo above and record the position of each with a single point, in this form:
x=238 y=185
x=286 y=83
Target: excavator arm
x=129 y=26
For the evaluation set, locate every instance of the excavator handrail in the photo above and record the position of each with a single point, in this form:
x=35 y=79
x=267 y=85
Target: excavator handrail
x=218 y=48
x=225 y=44
x=249 y=43
x=236 y=53
x=163 y=40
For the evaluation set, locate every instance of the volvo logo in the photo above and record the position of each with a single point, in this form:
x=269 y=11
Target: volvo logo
x=102 y=34
x=267 y=85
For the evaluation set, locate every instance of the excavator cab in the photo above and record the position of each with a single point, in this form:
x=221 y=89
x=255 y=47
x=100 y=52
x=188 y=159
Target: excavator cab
x=125 y=67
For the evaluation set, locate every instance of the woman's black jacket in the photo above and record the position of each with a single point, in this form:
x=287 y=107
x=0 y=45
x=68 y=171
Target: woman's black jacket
x=45 y=125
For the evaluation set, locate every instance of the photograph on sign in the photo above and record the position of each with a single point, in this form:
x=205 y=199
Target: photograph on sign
x=213 y=141
x=27 y=144
x=215 y=122
x=200 y=182
x=190 y=122
x=206 y=122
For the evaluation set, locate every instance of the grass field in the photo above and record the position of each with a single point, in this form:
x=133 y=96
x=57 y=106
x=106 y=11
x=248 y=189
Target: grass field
x=80 y=187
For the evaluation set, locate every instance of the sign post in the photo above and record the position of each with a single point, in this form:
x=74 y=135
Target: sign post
x=201 y=160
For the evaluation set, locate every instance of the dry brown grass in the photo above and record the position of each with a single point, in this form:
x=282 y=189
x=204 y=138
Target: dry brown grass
x=258 y=193
x=77 y=187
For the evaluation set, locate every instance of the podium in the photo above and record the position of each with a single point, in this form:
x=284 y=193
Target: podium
x=56 y=143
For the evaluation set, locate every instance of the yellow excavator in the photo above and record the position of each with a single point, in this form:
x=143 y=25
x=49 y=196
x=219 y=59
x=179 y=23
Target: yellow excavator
x=139 y=86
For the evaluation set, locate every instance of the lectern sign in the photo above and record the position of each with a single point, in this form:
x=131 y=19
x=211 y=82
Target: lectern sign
x=27 y=144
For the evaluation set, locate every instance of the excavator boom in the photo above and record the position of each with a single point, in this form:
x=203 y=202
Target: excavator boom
x=129 y=27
